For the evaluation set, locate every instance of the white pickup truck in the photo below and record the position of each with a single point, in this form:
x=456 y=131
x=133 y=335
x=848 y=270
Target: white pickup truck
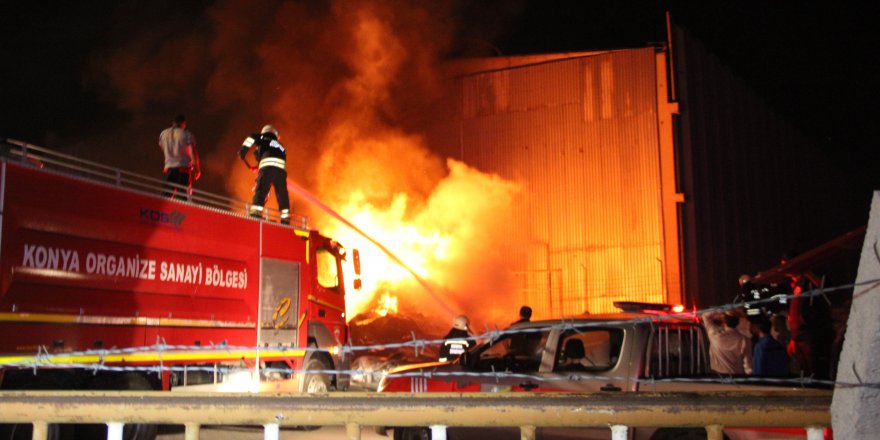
x=624 y=352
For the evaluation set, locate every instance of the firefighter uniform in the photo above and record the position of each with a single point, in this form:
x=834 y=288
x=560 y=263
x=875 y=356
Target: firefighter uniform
x=271 y=158
x=457 y=341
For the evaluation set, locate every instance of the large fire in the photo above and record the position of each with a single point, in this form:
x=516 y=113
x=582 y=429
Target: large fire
x=450 y=241
x=349 y=85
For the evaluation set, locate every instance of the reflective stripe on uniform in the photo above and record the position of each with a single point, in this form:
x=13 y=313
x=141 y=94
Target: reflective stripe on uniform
x=456 y=346
x=256 y=209
x=248 y=142
x=272 y=162
x=285 y=213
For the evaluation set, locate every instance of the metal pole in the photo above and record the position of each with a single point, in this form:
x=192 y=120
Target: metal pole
x=527 y=432
x=192 y=431
x=41 y=431
x=352 y=431
x=438 y=432
x=815 y=433
x=714 y=432
x=271 y=431
x=114 y=430
x=807 y=408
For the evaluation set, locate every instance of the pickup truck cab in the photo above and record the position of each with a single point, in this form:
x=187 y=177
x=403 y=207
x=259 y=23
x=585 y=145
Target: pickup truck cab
x=619 y=352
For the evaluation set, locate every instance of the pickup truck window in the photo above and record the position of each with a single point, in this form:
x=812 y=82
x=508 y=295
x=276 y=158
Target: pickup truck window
x=676 y=350
x=589 y=350
x=518 y=352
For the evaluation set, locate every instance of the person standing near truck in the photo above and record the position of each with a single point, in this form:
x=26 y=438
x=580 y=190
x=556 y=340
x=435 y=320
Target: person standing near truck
x=769 y=358
x=525 y=315
x=181 y=159
x=457 y=341
x=272 y=166
x=730 y=352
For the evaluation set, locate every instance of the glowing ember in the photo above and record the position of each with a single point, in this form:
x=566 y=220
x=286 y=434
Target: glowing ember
x=387 y=304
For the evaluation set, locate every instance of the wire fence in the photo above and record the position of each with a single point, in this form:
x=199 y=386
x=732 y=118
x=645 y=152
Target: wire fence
x=99 y=357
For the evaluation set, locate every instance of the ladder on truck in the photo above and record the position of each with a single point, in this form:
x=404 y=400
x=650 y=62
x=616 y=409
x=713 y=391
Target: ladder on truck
x=56 y=162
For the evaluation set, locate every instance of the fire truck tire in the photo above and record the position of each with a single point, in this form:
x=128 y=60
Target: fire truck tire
x=681 y=434
x=140 y=431
x=410 y=433
x=316 y=382
x=124 y=382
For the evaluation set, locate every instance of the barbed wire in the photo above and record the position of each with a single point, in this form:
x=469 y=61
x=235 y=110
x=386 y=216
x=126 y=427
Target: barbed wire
x=44 y=359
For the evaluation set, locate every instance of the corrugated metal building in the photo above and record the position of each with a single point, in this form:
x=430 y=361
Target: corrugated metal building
x=633 y=190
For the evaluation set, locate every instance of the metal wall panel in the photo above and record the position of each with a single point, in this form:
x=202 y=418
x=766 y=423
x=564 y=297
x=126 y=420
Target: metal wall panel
x=580 y=135
x=756 y=187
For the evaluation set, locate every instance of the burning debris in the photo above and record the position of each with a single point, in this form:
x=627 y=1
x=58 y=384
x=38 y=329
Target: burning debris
x=379 y=328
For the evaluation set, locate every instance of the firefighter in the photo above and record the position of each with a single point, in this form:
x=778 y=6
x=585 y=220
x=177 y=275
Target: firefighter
x=457 y=341
x=525 y=314
x=271 y=162
x=181 y=159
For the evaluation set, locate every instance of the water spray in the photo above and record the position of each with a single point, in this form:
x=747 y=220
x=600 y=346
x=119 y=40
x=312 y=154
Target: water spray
x=309 y=197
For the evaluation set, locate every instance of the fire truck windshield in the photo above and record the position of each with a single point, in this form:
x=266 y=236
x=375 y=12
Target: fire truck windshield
x=328 y=275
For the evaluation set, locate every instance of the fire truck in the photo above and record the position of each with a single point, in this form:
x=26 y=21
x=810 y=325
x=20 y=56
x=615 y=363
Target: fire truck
x=99 y=270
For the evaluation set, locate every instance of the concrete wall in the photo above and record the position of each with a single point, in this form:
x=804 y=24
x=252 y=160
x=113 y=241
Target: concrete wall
x=855 y=410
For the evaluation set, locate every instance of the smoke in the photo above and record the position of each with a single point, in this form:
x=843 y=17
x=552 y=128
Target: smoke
x=343 y=82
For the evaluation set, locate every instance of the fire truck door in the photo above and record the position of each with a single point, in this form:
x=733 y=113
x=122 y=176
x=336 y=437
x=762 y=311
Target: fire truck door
x=279 y=302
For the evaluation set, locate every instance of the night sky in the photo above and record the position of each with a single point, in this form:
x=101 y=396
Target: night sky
x=812 y=61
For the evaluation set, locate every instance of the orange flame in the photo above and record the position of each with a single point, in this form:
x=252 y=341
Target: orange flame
x=445 y=223
x=387 y=304
x=451 y=240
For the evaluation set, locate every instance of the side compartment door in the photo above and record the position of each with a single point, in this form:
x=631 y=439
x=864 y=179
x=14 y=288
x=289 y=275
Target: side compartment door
x=279 y=302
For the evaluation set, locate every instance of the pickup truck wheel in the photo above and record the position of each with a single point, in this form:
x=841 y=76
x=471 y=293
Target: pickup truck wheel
x=412 y=434
x=315 y=382
x=681 y=434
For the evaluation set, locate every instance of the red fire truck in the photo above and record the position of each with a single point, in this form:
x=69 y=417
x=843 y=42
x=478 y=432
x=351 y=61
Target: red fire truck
x=99 y=270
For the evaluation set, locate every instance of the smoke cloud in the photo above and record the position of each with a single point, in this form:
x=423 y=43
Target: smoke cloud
x=343 y=82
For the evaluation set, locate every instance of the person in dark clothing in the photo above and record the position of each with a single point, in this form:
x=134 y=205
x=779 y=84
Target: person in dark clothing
x=809 y=320
x=525 y=314
x=457 y=341
x=271 y=162
x=769 y=358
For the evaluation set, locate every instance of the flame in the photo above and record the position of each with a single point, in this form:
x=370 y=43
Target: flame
x=387 y=304
x=451 y=240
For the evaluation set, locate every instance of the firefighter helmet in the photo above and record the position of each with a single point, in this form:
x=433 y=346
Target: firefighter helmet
x=460 y=322
x=269 y=128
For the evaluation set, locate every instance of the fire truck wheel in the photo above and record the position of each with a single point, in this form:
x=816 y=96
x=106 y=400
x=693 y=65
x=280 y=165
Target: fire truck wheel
x=124 y=382
x=316 y=382
x=412 y=433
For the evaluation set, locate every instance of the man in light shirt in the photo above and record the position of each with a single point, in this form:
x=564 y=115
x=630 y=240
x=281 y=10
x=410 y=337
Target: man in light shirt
x=181 y=159
x=729 y=350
